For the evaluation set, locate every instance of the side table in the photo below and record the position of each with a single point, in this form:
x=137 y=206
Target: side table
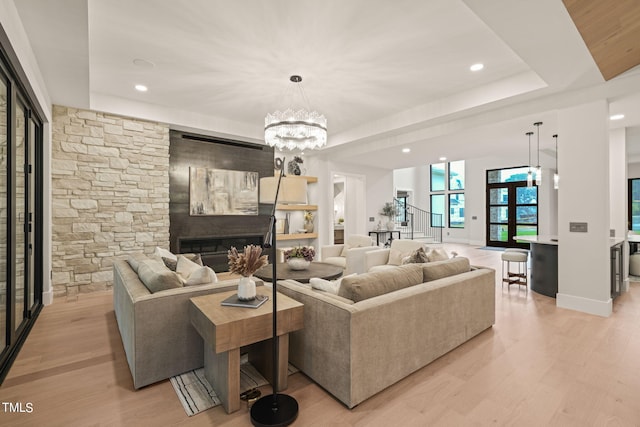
x=226 y=329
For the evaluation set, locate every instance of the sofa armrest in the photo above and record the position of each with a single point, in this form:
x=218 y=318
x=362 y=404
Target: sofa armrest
x=356 y=262
x=377 y=257
x=329 y=251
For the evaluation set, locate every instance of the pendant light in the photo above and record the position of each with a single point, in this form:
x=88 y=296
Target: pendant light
x=556 y=177
x=530 y=173
x=538 y=168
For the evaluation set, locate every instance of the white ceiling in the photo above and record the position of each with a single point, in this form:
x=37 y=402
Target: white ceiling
x=386 y=74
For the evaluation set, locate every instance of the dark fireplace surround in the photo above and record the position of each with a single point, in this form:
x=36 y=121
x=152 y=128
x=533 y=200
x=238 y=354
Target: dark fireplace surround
x=212 y=236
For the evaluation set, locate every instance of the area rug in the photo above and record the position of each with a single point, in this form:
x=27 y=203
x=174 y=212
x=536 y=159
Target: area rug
x=491 y=248
x=196 y=394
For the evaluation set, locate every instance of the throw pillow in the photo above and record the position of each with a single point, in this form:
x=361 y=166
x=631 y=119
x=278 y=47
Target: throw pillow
x=201 y=276
x=194 y=274
x=172 y=264
x=395 y=256
x=163 y=253
x=330 y=286
x=437 y=254
x=157 y=277
x=418 y=256
x=184 y=266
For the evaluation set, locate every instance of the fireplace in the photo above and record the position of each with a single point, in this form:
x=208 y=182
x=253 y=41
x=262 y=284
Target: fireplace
x=213 y=250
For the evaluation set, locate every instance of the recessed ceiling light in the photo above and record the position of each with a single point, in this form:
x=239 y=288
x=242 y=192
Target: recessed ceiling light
x=141 y=88
x=406 y=150
x=476 y=67
x=442 y=159
x=617 y=117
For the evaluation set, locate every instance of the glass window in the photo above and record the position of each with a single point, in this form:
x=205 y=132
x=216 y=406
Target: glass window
x=507 y=175
x=499 y=196
x=437 y=177
x=456 y=210
x=634 y=204
x=456 y=175
x=499 y=233
x=527 y=214
x=499 y=214
x=437 y=210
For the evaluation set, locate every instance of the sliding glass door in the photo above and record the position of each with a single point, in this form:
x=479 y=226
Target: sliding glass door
x=20 y=216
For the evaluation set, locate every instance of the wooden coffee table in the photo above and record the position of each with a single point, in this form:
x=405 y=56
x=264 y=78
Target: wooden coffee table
x=315 y=269
x=226 y=329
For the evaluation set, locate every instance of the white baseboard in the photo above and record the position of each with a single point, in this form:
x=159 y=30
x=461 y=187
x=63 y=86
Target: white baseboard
x=585 y=305
x=47 y=298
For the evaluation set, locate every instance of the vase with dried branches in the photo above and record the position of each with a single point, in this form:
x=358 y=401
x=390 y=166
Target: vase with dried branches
x=246 y=263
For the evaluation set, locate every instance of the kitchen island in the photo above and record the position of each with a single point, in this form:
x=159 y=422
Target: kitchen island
x=544 y=263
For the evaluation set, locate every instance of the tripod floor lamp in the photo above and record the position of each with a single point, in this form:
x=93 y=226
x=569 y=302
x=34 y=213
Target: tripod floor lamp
x=277 y=409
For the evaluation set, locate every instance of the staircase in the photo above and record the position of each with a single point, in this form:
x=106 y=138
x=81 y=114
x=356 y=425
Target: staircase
x=417 y=224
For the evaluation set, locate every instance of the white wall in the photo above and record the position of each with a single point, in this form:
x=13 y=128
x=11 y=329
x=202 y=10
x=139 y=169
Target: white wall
x=583 y=196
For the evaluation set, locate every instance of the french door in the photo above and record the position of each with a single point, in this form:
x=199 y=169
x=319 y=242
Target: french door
x=21 y=222
x=512 y=208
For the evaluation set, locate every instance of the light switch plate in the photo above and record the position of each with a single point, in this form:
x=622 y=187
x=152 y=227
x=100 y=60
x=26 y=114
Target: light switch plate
x=578 y=227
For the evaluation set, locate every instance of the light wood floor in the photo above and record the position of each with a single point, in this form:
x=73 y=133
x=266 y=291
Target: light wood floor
x=539 y=365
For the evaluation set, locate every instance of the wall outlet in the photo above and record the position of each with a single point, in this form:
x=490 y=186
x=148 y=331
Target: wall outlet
x=474 y=217
x=371 y=219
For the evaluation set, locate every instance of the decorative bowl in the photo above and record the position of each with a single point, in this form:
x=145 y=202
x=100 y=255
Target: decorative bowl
x=298 y=263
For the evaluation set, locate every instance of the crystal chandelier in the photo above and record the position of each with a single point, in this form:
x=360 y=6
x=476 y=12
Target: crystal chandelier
x=295 y=130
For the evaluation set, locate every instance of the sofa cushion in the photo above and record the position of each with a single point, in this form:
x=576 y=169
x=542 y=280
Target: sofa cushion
x=134 y=260
x=156 y=276
x=369 y=285
x=356 y=241
x=439 y=269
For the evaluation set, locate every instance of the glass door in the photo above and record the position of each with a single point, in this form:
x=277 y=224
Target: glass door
x=512 y=208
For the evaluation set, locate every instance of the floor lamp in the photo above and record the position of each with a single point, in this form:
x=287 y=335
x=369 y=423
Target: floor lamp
x=277 y=409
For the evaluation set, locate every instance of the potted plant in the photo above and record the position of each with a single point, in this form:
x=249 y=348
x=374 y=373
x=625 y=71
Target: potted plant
x=300 y=257
x=390 y=211
x=246 y=263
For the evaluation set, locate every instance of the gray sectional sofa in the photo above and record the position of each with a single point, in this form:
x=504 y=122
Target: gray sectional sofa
x=157 y=335
x=382 y=326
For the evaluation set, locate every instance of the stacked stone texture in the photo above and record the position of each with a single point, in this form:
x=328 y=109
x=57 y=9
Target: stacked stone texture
x=110 y=195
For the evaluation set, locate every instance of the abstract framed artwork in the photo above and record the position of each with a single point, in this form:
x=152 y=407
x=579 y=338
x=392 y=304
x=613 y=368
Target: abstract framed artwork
x=222 y=192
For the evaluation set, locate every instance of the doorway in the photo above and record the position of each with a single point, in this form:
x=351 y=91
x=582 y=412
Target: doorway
x=349 y=205
x=512 y=207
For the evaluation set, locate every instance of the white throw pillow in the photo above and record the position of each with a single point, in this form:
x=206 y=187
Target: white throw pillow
x=163 y=253
x=201 y=276
x=396 y=257
x=330 y=286
x=437 y=254
x=193 y=273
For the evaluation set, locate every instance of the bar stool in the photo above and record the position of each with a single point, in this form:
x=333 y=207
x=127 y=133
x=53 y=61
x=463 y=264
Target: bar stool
x=519 y=277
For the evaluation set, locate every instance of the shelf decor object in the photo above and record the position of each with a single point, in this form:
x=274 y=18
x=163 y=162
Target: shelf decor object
x=296 y=128
x=278 y=409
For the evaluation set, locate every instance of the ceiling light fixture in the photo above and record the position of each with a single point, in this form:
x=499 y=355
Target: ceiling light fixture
x=141 y=88
x=617 y=117
x=406 y=150
x=442 y=159
x=293 y=129
x=476 y=67
x=538 y=168
x=556 y=177
x=530 y=172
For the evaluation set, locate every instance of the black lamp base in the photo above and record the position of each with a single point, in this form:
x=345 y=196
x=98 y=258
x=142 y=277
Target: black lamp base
x=281 y=411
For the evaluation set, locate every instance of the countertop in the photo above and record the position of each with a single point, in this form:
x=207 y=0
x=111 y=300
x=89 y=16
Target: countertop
x=553 y=240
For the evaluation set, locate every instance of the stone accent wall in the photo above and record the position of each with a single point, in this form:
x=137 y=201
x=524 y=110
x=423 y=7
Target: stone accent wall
x=110 y=185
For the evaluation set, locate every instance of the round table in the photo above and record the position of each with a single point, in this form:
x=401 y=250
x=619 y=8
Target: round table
x=315 y=269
